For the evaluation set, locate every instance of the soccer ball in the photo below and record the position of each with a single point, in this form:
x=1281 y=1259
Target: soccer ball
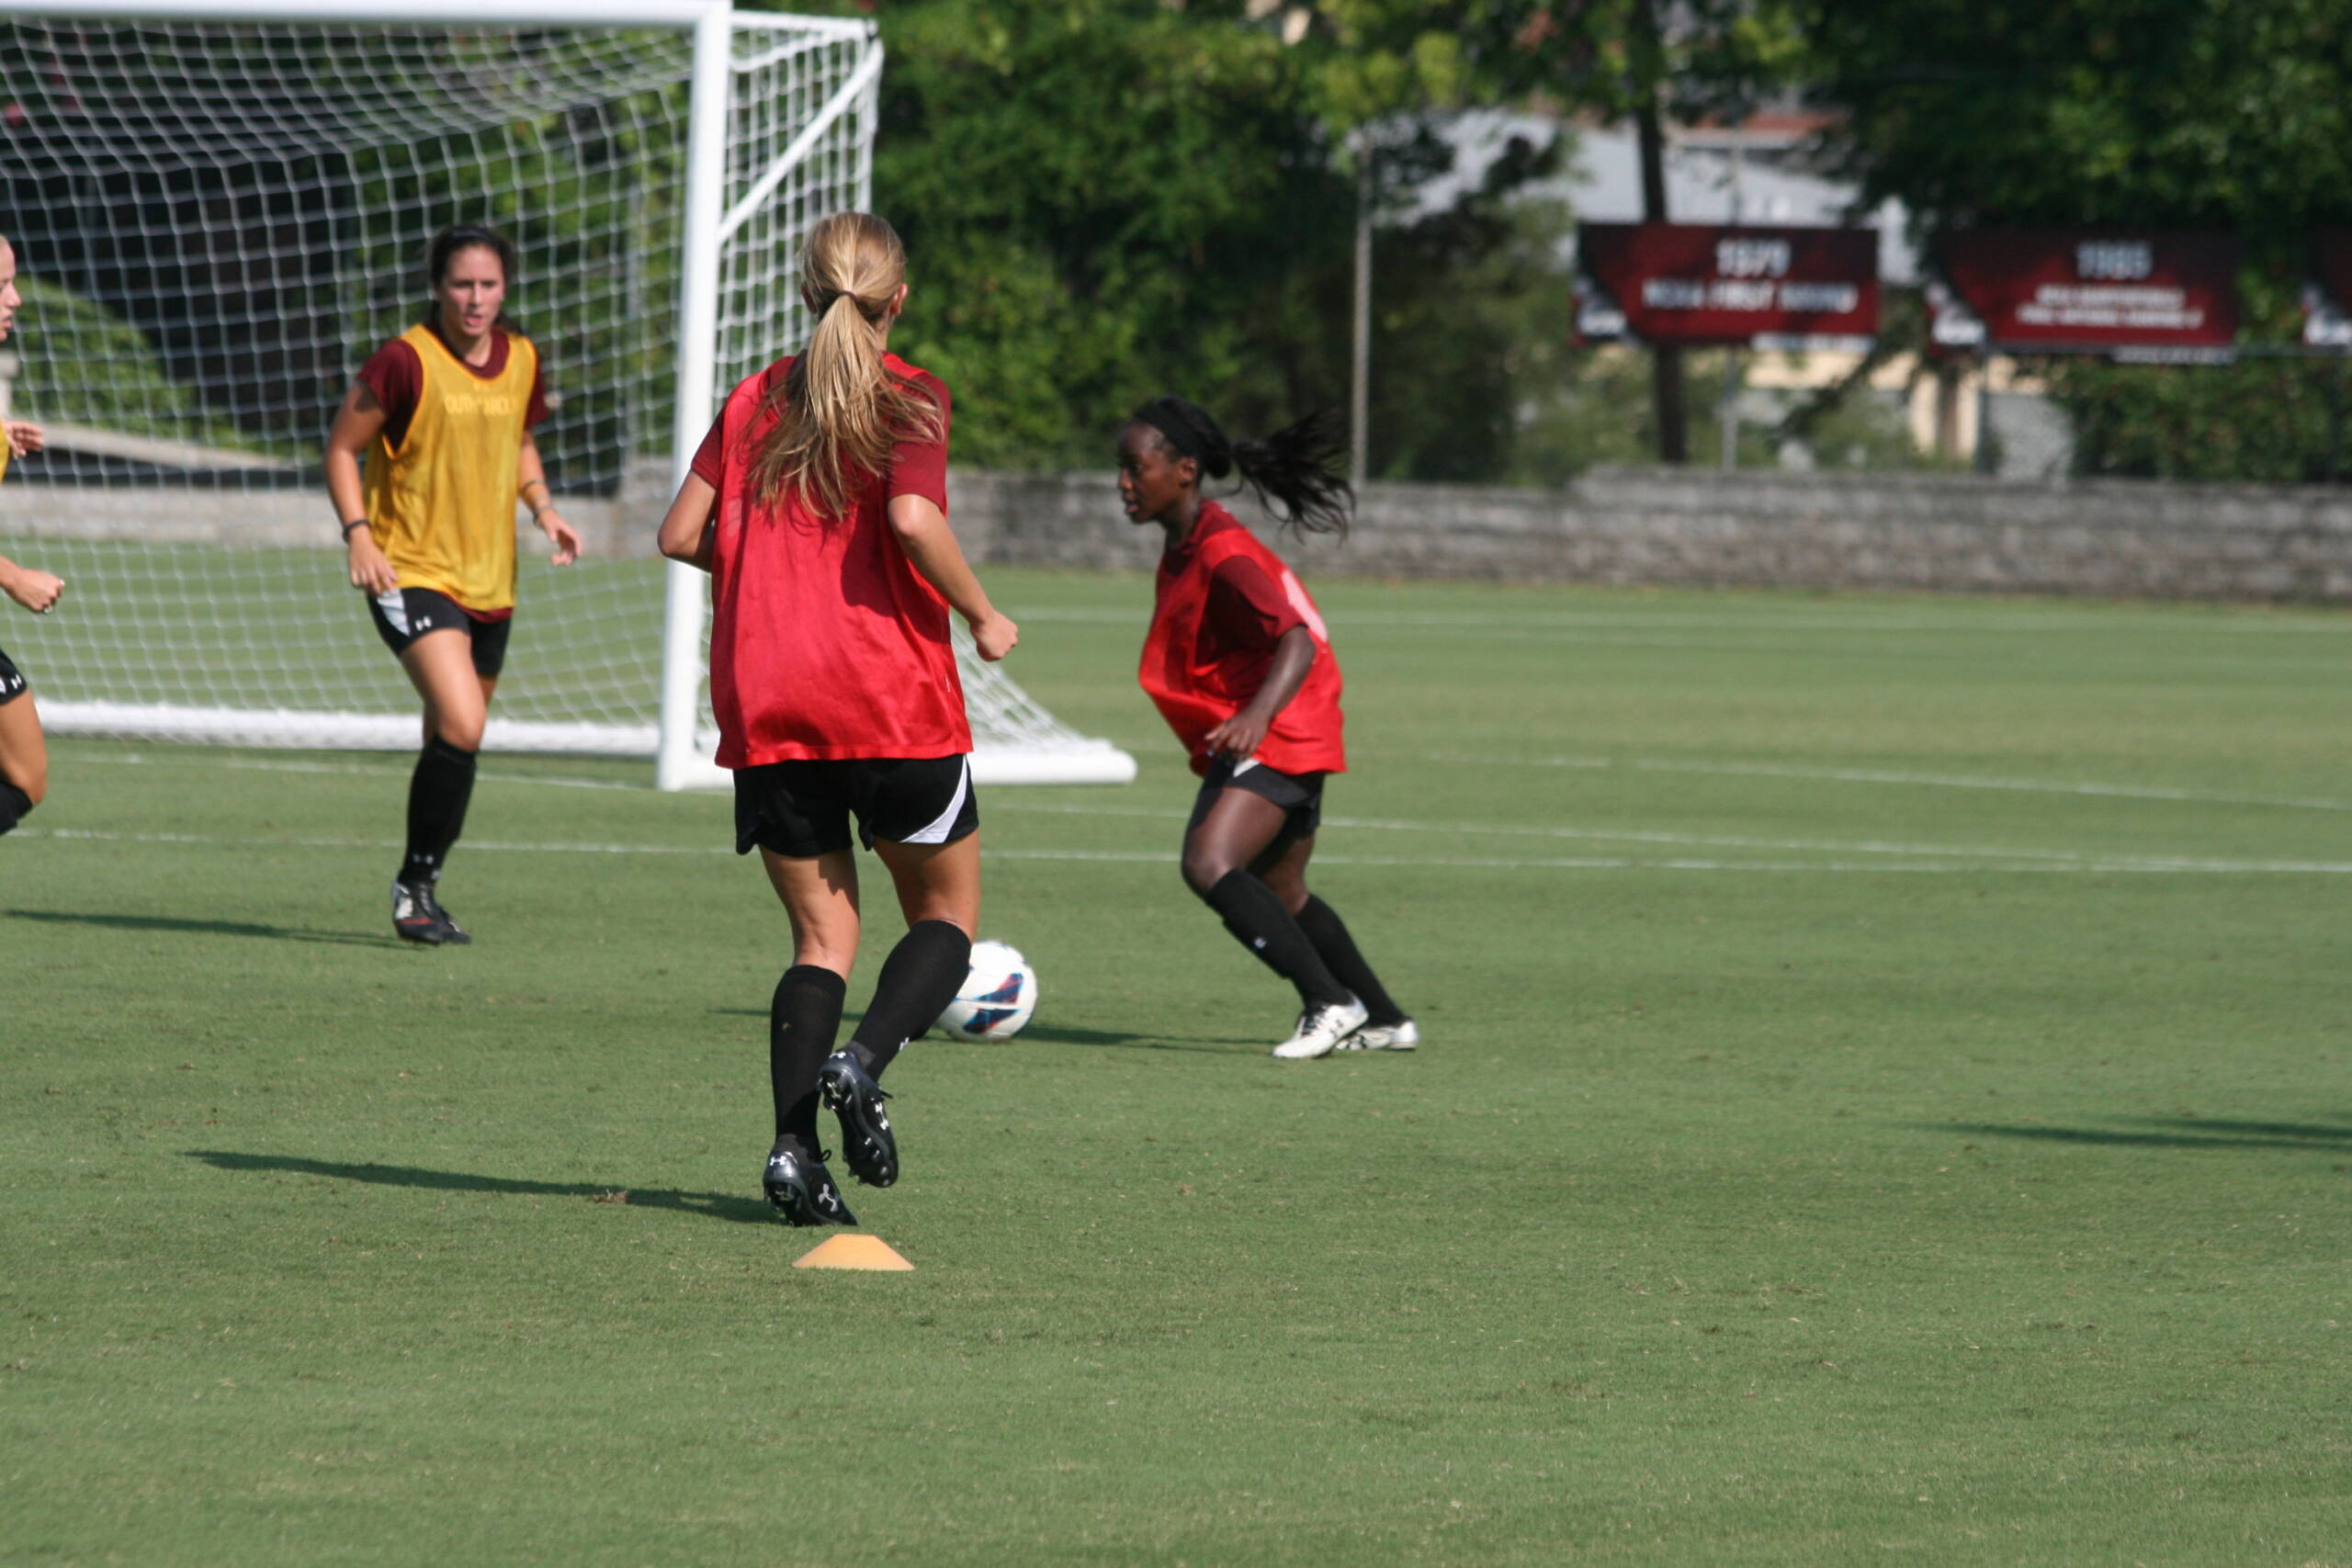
x=996 y=999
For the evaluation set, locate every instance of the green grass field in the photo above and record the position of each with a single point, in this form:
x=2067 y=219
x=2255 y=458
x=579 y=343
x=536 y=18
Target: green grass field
x=1886 y=1101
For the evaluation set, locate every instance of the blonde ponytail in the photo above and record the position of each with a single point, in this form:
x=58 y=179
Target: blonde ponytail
x=840 y=410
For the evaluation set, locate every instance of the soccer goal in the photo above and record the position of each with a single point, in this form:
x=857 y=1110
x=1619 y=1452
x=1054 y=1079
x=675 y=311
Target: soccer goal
x=220 y=209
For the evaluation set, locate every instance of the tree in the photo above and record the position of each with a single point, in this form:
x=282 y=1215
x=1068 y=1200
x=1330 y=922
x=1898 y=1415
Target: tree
x=1103 y=201
x=1637 y=59
x=2193 y=113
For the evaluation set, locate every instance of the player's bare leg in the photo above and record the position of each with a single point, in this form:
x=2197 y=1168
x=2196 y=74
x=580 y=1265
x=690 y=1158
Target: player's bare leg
x=1282 y=865
x=24 y=758
x=820 y=898
x=937 y=882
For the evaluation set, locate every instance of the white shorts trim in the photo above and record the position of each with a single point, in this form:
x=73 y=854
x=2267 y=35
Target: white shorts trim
x=937 y=831
x=395 y=607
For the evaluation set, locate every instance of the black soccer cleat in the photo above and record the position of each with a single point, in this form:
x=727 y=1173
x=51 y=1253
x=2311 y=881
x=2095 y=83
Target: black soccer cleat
x=418 y=916
x=866 y=1141
x=801 y=1190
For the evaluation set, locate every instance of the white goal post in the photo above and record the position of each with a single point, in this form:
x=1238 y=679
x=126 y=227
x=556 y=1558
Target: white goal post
x=220 y=207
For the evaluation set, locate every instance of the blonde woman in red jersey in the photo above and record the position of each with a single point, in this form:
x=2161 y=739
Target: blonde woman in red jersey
x=24 y=753
x=818 y=505
x=1237 y=662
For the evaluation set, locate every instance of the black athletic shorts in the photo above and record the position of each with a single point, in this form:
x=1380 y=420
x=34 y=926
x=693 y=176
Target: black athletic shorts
x=802 y=810
x=1301 y=794
x=403 y=614
x=12 y=681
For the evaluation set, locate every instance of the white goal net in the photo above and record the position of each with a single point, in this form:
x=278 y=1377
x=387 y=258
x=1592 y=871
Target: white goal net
x=218 y=220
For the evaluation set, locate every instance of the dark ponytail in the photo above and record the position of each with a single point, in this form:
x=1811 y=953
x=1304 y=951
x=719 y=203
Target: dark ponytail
x=444 y=247
x=1295 y=471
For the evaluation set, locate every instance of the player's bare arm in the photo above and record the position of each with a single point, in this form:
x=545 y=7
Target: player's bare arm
x=36 y=590
x=1243 y=733
x=922 y=532
x=689 y=527
x=358 y=424
x=531 y=490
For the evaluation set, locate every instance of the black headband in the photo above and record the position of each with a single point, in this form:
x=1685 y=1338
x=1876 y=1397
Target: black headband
x=1188 y=428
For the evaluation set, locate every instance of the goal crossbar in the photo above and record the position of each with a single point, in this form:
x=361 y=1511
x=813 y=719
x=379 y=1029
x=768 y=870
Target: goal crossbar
x=400 y=13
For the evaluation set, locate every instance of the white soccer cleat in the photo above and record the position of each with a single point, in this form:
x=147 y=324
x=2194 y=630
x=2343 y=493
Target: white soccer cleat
x=1320 y=1030
x=1384 y=1037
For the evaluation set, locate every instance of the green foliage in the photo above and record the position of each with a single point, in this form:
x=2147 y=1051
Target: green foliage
x=1470 y=343
x=2216 y=114
x=1377 y=57
x=82 y=364
x=590 y=200
x=2230 y=114
x=1104 y=199
x=1107 y=198
x=2281 y=421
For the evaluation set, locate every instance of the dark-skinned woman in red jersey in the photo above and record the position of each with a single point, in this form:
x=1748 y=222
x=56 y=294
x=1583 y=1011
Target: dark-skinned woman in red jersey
x=818 y=504
x=1238 y=663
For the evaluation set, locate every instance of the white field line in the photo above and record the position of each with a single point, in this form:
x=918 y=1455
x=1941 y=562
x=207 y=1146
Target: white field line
x=1988 y=854
x=1877 y=775
x=1602 y=620
x=1642 y=764
x=384 y=769
x=1642 y=836
x=1135 y=857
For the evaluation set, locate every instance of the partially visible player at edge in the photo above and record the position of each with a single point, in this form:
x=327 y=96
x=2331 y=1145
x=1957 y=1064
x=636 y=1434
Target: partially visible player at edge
x=818 y=504
x=1237 y=662
x=23 y=754
x=444 y=414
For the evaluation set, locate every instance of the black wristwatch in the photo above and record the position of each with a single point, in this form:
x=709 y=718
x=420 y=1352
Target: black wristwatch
x=348 y=527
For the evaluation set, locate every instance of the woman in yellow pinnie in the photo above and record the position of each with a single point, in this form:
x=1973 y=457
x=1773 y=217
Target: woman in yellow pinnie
x=443 y=415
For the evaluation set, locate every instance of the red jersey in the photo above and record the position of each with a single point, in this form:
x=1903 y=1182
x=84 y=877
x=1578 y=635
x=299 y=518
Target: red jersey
x=824 y=641
x=1201 y=665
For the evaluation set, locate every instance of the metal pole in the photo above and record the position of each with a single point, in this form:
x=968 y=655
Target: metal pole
x=2336 y=424
x=1727 y=405
x=1728 y=409
x=1984 y=414
x=679 y=759
x=1360 y=370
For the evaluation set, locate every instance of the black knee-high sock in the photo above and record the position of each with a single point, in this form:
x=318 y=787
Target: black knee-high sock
x=1255 y=915
x=14 y=803
x=1329 y=935
x=438 y=794
x=917 y=980
x=802 y=1021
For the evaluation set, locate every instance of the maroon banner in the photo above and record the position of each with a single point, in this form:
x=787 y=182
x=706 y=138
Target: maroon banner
x=1688 y=283
x=2143 y=294
x=2327 y=298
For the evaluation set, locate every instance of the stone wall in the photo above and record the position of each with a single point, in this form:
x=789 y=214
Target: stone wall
x=2117 y=538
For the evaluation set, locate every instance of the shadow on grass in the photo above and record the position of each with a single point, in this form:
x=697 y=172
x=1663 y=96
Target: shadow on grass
x=2173 y=1133
x=714 y=1205
x=848 y=1015
x=1064 y=1035
x=206 y=928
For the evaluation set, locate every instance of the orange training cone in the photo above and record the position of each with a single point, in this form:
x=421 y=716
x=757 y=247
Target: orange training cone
x=850 y=1251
